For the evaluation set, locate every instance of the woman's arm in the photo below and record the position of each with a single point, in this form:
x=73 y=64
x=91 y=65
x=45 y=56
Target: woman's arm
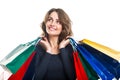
x=67 y=59
x=41 y=62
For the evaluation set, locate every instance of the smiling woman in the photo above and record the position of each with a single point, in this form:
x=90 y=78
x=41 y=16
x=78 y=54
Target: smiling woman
x=53 y=59
x=61 y=19
x=96 y=20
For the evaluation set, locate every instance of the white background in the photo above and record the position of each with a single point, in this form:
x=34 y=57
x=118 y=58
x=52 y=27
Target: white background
x=96 y=20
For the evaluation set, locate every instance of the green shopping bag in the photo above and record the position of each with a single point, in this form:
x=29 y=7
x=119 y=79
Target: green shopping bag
x=14 y=60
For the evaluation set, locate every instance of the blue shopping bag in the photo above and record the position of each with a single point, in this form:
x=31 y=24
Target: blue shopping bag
x=111 y=64
x=100 y=69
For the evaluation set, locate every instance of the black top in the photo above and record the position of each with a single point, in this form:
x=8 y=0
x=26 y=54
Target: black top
x=46 y=66
x=55 y=69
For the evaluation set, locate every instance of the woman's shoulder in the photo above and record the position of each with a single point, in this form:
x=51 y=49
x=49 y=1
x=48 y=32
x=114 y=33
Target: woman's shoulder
x=38 y=47
x=69 y=47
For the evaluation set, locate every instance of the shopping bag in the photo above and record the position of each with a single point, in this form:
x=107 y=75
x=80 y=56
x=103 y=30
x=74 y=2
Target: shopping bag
x=14 y=60
x=111 y=64
x=11 y=56
x=4 y=74
x=92 y=75
x=80 y=72
x=96 y=65
x=106 y=50
x=29 y=74
x=21 y=71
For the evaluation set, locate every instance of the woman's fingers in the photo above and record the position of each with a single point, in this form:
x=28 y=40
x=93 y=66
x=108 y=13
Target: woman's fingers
x=64 y=43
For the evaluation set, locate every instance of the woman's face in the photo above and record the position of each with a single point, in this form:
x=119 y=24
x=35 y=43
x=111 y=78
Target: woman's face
x=53 y=25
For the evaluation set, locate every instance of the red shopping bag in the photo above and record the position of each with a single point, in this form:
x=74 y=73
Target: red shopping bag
x=80 y=72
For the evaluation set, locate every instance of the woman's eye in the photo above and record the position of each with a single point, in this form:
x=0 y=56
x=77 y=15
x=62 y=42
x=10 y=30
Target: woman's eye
x=58 y=22
x=49 y=19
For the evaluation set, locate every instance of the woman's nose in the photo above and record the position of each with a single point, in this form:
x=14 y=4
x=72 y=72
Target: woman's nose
x=53 y=23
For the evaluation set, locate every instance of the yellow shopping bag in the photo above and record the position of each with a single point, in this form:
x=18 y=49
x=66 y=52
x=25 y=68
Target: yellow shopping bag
x=106 y=50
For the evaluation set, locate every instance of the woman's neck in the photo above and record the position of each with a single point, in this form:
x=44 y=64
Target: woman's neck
x=54 y=44
x=53 y=41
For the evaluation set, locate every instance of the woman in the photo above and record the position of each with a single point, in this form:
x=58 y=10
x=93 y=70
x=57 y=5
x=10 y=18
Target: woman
x=53 y=59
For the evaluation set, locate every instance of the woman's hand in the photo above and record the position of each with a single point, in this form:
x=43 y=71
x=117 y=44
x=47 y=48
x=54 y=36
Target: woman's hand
x=44 y=42
x=64 y=43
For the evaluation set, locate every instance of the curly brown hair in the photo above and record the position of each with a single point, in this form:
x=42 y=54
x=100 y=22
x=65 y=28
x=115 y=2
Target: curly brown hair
x=64 y=20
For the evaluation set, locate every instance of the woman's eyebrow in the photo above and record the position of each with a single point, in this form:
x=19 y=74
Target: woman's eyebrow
x=52 y=18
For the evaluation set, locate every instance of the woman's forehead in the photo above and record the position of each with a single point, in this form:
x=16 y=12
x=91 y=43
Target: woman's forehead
x=54 y=15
